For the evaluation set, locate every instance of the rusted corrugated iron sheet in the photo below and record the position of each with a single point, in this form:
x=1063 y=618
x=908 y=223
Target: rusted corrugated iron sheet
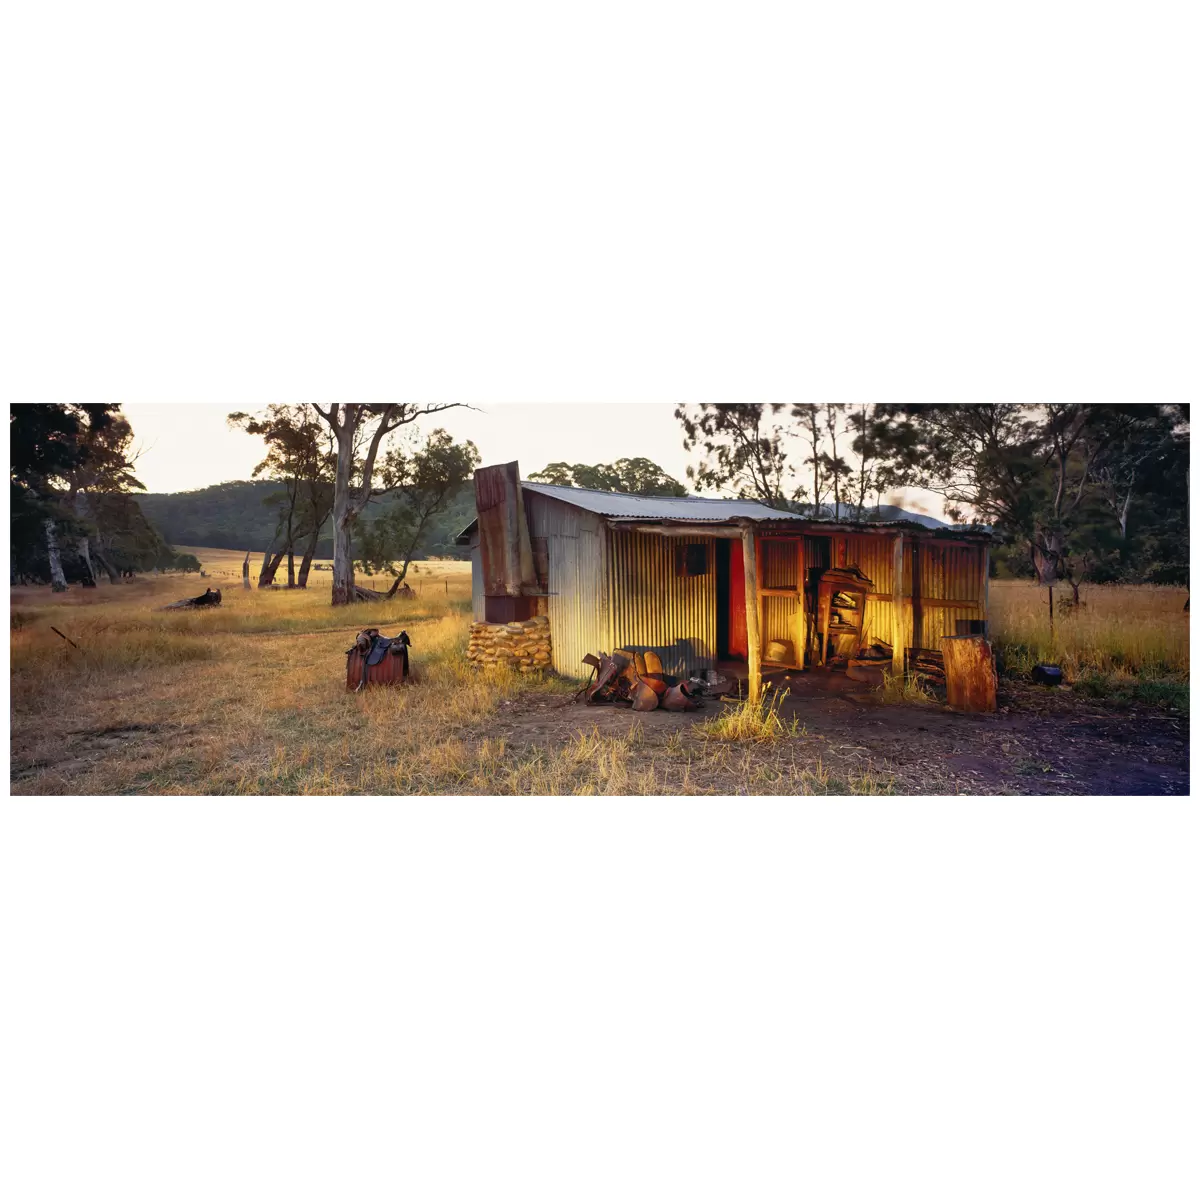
x=653 y=608
x=506 y=558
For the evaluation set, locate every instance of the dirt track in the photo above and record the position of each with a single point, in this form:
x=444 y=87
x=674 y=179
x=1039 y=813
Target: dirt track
x=1042 y=742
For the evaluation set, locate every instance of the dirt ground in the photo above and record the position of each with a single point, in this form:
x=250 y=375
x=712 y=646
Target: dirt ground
x=1042 y=741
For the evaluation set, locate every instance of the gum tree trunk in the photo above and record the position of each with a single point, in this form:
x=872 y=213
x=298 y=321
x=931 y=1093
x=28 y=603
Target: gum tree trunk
x=267 y=575
x=103 y=559
x=343 y=516
x=306 y=562
x=58 y=581
x=343 y=563
x=89 y=579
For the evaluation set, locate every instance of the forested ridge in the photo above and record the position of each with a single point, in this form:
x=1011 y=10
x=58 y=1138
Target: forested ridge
x=237 y=515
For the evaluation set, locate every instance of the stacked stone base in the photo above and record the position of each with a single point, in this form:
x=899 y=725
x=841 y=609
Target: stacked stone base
x=522 y=645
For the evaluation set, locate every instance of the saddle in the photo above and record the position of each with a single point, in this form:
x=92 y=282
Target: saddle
x=377 y=659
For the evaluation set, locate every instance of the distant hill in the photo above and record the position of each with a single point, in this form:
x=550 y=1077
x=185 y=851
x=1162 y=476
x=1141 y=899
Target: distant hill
x=874 y=512
x=233 y=516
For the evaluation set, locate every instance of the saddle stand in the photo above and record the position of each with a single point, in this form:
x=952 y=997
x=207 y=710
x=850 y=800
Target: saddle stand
x=377 y=659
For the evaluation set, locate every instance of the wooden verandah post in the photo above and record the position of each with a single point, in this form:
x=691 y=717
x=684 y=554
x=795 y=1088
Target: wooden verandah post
x=753 y=643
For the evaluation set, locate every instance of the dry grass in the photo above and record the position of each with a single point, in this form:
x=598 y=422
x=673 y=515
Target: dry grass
x=903 y=689
x=752 y=720
x=250 y=699
x=1122 y=642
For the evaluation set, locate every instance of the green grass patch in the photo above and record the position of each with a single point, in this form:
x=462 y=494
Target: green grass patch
x=1125 y=691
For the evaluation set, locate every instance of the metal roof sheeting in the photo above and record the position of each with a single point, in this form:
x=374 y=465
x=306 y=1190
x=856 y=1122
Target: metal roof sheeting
x=700 y=509
x=654 y=508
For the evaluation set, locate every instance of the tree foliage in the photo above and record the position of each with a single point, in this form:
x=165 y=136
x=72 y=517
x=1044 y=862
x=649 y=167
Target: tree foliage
x=360 y=431
x=71 y=488
x=635 y=476
x=1081 y=491
x=425 y=480
x=302 y=457
x=741 y=449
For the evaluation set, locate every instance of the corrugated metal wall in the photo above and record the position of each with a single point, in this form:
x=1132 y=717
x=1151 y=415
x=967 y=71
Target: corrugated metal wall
x=649 y=606
x=780 y=562
x=781 y=622
x=950 y=571
x=653 y=608
x=575 y=550
x=476 y=579
x=872 y=555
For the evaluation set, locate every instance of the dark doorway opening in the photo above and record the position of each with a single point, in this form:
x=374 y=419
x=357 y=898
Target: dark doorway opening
x=723 y=597
x=731 y=600
x=818 y=558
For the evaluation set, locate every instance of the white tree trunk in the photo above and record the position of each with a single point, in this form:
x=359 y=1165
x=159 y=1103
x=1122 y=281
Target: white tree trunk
x=343 y=515
x=58 y=581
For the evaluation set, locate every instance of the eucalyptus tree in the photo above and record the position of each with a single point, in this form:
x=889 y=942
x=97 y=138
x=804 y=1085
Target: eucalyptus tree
x=359 y=432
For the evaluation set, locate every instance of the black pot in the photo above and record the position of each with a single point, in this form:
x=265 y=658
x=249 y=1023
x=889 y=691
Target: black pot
x=1044 y=673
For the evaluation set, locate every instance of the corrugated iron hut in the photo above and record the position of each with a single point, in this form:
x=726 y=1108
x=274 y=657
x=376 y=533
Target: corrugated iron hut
x=705 y=581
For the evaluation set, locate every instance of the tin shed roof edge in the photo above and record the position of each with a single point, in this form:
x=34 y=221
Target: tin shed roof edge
x=699 y=510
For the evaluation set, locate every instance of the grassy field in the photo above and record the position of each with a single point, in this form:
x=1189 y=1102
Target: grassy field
x=250 y=698
x=1123 y=642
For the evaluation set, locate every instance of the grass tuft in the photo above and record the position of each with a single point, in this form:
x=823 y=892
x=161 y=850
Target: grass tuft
x=751 y=721
x=898 y=688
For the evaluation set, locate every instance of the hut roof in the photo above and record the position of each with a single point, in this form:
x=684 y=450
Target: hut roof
x=622 y=506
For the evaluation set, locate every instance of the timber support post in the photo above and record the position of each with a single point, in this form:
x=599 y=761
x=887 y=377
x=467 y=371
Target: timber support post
x=985 y=552
x=918 y=631
x=753 y=642
x=898 y=623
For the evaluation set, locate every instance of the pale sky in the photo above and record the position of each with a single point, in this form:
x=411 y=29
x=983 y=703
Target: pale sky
x=187 y=446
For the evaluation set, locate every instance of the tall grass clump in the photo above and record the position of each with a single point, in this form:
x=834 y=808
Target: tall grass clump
x=1123 y=643
x=898 y=688
x=1141 y=628
x=758 y=720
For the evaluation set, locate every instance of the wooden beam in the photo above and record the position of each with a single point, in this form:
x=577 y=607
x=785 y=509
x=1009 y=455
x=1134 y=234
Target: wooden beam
x=986 y=553
x=697 y=531
x=753 y=642
x=898 y=630
x=915 y=589
x=801 y=630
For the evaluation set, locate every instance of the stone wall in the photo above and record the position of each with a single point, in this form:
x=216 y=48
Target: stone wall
x=522 y=645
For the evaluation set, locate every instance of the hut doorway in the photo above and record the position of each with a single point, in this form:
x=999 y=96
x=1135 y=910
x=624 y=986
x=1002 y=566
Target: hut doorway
x=731 y=600
x=818 y=558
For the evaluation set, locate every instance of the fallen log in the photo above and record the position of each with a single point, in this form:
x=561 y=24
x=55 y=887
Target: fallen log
x=210 y=599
